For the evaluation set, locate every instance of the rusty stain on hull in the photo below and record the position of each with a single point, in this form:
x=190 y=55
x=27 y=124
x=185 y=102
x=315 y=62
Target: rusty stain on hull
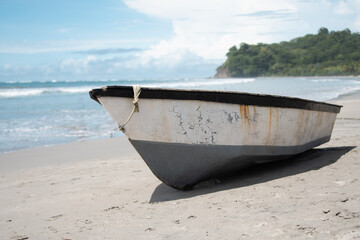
x=244 y=113
x=247 y=115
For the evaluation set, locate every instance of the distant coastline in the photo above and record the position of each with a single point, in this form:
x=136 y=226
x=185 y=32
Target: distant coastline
x=335 y=53
x=224 y=76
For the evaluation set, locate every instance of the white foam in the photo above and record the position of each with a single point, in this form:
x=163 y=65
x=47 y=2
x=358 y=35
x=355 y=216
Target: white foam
x=207 y=82
x=73 y=89
x=9 y=93
x=331 y=94
x=326 y=80
x=23 y=92
x=348 y=90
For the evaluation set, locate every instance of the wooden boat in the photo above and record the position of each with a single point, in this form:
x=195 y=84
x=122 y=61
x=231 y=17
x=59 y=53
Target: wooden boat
x=187 y=136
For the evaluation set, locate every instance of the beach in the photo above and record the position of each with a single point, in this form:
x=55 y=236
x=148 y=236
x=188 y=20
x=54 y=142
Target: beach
x=102 y=189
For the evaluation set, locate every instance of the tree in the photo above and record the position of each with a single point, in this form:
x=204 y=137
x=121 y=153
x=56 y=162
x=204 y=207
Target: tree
x=323 y=31
x=324 y=53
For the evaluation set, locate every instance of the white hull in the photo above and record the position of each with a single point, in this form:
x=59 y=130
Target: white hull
x=187 y=141
x=196 y=122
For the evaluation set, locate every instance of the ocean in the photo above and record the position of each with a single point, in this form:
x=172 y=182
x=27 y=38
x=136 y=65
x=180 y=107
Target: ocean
x=34 y=114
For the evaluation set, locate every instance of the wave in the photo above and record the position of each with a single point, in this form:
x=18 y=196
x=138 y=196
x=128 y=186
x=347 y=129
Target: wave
x=326 y=80
x=24 y=92
x=82 y=82
x=348 y=90
x=9 y=93
x=200 y=83
x=331 y=94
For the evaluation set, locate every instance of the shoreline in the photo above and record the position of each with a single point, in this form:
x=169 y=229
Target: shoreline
x=354 y=94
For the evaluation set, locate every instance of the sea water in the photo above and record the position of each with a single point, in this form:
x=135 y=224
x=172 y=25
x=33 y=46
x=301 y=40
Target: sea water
x=34 y=114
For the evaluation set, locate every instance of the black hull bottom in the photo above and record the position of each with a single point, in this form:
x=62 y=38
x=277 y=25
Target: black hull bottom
x=183 y=165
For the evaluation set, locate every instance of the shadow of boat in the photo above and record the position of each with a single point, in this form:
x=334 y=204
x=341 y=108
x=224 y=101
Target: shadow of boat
x=313 y=159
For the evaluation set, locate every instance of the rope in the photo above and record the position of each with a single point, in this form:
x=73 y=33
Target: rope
x=137 y=91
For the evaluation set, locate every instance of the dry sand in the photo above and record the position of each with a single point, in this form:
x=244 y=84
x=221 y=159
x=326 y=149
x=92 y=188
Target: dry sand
x=103 y=190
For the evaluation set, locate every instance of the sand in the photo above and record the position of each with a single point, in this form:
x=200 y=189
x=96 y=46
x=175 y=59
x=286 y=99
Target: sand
x=103 y=190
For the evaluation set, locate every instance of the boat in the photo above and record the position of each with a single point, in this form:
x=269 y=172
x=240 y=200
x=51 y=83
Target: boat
x=189 y=136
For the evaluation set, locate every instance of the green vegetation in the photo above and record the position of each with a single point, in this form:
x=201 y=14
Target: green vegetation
x=323 y=54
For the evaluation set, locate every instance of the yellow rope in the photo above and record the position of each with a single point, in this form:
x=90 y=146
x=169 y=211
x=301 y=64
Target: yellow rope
x=137 y=91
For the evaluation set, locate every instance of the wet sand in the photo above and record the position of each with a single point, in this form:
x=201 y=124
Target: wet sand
x=103 y=190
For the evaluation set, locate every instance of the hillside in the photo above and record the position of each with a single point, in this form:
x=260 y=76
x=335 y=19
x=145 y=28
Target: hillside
x=322 y=54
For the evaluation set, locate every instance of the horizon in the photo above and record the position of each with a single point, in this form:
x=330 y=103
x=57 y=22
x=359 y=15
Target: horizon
x=136 y=39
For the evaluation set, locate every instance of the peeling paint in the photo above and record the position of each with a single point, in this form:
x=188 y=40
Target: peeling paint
x=232 y=117
x=196 y=122
x=180 y=120
x=229 y=117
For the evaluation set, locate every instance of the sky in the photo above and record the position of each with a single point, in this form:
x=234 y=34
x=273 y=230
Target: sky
x=72 y=40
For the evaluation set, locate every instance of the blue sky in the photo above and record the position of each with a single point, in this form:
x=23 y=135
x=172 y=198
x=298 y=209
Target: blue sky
x=44 y=40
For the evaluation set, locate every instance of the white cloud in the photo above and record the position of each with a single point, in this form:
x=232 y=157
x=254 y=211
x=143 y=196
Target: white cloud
x=98 y=67
x=357 y=22
x=6 y=67
x=208 y=28
x=342 y=8
x=10 y=69
x=67 y=45
x=77 y=66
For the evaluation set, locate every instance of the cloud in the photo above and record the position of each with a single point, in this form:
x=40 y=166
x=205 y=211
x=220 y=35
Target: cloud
x=343 y=7
x=10 y=69
x=94 y=67
x=79 y=45
x=281 y=13
x=108 y=51
x=357 y=22
x=77 y=66
x=208 y=28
